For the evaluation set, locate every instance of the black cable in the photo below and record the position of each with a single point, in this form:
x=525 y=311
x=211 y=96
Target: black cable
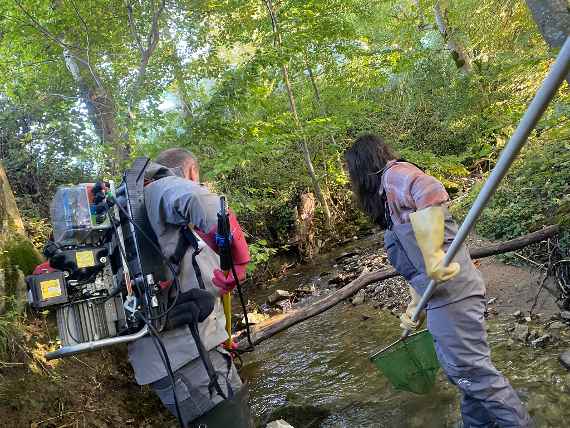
x=251 y=347
x=156 y=340
x=195 y=334
x=161 y=349
x=159 y=252
x=244 y=308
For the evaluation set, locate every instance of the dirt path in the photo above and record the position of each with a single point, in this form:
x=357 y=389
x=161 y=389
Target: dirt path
x=515 y=288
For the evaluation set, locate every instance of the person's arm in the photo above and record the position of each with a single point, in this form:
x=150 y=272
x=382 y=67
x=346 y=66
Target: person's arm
x=428 y=223
x=240 y=255
x=426 y=191
x=187 y=204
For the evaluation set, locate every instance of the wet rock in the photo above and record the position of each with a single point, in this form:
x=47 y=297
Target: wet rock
x=520 y=332
x=359 y=298
x=279 y=424
x=254 y=318
x=541 y=341
x=565 y=359
x=565 y=315
x=371 y=288
x=307 y=289
x=285 y=305
x=344 y=256
x=337 y=279
x=557 y=325
x=532 y=335
x=278 y=295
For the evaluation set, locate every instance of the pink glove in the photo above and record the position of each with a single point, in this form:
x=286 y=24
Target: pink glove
x=226 y=285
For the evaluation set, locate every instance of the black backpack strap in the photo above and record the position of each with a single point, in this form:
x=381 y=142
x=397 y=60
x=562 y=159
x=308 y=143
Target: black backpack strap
x=186 y=241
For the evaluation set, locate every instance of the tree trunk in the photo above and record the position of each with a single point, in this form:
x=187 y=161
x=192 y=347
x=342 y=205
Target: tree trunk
x=305 y=226
x=553 y=20
x=293 y=109
x=276 y=324
x=17 y=253
x=101 y=110
x=460 y=57
x=9 y=214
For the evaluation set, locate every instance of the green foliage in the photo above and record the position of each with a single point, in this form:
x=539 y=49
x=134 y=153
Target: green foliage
x=534 y=194
x=260 y=254
x=19 y=251
x=10 y=326
x=214 y=85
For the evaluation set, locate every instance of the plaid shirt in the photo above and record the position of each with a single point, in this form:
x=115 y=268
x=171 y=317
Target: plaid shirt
x=409 y=189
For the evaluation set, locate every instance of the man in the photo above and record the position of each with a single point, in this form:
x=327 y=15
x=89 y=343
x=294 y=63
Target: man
x=175 y=200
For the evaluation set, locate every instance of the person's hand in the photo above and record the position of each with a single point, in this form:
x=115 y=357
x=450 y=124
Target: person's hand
x=193 y=306
x=227 y=283
x=406 y=322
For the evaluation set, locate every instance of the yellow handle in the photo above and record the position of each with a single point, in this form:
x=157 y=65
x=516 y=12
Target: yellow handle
x=227 y=302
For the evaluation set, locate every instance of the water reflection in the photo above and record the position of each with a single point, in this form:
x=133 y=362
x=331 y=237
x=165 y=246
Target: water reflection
x=319 y=370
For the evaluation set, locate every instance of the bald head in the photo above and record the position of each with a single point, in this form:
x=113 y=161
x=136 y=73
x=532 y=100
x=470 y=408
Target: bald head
x=182 y=159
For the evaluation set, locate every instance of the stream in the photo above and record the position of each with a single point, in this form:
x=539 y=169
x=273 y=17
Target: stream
x=317 y=373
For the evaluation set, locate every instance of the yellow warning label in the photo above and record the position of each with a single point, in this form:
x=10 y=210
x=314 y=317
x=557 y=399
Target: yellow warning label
x=85 y=259
x=50 y=289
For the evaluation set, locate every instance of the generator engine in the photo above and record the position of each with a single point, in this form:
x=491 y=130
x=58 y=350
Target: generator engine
x=102 y=268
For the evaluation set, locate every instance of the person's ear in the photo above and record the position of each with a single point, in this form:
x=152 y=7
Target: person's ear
x=193 y=173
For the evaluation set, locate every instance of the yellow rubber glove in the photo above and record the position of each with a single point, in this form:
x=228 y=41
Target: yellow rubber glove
x=428 y=225
x=406 y=322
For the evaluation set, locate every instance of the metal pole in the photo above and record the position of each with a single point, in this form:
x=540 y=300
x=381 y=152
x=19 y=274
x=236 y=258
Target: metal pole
x=544 y=95
x=78 y=348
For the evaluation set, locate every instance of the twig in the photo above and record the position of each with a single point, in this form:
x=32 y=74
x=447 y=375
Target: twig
x=85 y=364
x=544 y=278
x=6 y=364
x=538 y=265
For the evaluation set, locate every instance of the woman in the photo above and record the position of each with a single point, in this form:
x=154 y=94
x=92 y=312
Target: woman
x=412 y=207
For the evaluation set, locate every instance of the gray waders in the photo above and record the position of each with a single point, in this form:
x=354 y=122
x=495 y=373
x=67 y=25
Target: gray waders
x=456 y=321
x=201 y=407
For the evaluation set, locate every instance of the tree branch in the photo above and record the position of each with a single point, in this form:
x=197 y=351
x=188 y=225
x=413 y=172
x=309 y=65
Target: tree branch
x=133 y=26
x=152 y=42
x=93 y=74
x=43 y=30
x=461 y=59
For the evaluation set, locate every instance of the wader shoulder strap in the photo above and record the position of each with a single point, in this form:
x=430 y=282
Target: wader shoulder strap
x=186 y=240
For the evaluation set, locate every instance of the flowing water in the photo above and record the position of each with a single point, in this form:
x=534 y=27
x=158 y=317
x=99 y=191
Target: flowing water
x=317 y=374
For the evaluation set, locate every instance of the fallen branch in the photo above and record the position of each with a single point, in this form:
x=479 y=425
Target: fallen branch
x=279 y=323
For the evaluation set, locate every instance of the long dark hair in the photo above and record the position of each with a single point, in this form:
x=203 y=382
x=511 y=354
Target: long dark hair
x=365 y=160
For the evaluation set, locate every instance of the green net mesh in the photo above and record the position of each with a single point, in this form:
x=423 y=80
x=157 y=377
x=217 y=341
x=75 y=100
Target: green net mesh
x=411 y=364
